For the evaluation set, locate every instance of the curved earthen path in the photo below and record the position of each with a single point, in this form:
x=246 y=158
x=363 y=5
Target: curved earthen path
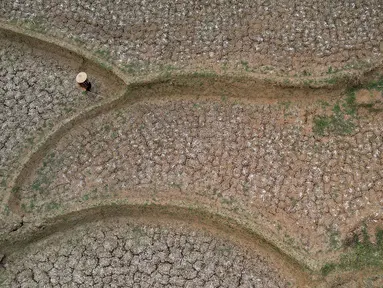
x=300 y=168
x=38 y=94
x=18 y=275
x=260 y=161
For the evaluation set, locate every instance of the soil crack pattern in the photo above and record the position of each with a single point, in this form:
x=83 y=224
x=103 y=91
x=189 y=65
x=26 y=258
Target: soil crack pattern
x=38 y=93
x=119 y=253
x=259 y=161
x=270 y=37
x=183 y=120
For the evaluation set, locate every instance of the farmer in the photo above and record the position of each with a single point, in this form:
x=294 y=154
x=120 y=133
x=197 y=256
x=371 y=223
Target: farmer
x=83 y=82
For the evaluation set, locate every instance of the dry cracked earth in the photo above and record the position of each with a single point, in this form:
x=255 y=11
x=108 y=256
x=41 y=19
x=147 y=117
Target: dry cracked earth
x=37 y=93
x=296 y=168
x=121 y=254
x=260 y=161
x=272 y=37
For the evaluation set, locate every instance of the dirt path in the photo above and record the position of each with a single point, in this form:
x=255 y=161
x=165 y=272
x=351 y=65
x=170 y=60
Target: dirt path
x=297 y=167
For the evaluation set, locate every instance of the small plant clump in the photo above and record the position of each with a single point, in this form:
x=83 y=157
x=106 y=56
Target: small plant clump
x=364 y=254
x=245 y=65
x=341 y=122
x=103 y=53
x=376 y=84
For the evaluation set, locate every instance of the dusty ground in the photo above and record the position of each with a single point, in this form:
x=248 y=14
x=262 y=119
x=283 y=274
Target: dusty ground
x=38 y=92
x=259 y=160
x=119 y=253
x=271 y=37
x=300 y=167
x=13 y=264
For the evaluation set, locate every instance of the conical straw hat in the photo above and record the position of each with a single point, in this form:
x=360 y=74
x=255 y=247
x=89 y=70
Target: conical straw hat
x=81 y=77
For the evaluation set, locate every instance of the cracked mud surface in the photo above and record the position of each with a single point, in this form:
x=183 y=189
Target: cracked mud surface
x=259 y=161
x=285 y=37
x=37 y=92
x=118 y=253
x=255 y=161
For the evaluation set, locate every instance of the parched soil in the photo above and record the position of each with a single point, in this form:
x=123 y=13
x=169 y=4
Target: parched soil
x=271 y=37
x=38 y=92
x=370 y=278
x=298 y=169
x=257 y=161
x=120 y=253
